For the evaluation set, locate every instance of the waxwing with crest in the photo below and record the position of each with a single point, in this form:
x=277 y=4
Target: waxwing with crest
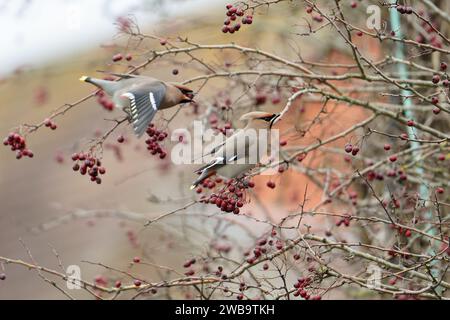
x=141 y=97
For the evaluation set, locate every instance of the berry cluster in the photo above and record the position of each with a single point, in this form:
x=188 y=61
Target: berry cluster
x=228 y=199
x=188 y=264
x=301 y=285
x=232 y=14
x=86 y=163
x=406 y=232
x=351 y=149
x=118 y=57
x=404 y=9
x=104 y=101
x=156 y=137
x=345 y=221
x=50 y=124
x=18 y=144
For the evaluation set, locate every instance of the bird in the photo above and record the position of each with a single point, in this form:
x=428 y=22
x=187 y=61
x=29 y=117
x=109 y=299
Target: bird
x=141 y=96
x=232 y=157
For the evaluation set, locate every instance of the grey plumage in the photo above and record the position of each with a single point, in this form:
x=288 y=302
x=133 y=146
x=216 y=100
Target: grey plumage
x=228 y=156
x=142 y=96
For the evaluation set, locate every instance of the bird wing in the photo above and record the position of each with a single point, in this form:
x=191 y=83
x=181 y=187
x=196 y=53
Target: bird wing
x=228 y=152
x=145 y=99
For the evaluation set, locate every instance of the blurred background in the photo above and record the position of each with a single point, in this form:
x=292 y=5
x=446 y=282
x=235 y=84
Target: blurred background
x=48 y=45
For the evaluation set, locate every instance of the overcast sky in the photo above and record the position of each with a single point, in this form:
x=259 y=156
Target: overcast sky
x=36 y=31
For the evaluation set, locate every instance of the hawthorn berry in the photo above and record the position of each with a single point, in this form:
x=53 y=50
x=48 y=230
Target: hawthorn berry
x=434 y=100
x=443 y=66
x=348 y=148
x=120 y=139
x=393 y=158
x=117 y=57
x=2 y=276
x=189 y=273
x=137 y=282
x=136 y=259
x=440 y=190
x=436 y=78
x=387 y=147
x=271 y=184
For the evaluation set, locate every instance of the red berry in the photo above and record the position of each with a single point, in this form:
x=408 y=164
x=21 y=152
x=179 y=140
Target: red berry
x=118 y=284
x=446 y=83
x=410 y=123
x=271 y=184
x=434 y=100
x=128 y=57
x=436 y=110
x=136 y=259
x=189 y=273
x=441 y=157
x=117 y=57
x=436 y=78
x=353 y=4
x=440 y=190
x=53 y=126
x=348 y=148
x=175 y=72
x=120 y=139
x=137 y=283
x=408 y=233
x=393 y=158
x=387 y=147
x=2 y=276
x=443 y=66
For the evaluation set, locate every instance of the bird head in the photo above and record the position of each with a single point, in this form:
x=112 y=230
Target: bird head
x=261 y=118
x=187 y=94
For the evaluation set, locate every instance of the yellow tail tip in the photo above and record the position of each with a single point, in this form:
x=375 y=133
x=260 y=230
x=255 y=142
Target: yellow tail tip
x=83 y=78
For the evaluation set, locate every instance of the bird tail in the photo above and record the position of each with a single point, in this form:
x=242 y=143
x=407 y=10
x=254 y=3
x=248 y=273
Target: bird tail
x=84 y=79
x=108 y=86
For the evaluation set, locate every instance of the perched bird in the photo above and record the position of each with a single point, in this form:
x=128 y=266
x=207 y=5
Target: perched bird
x=232 y=157
x=141 y=97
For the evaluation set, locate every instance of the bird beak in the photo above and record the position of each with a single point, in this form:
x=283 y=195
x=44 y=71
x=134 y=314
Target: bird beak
x=84 y=79
x=274 y=119
x=187 y=97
